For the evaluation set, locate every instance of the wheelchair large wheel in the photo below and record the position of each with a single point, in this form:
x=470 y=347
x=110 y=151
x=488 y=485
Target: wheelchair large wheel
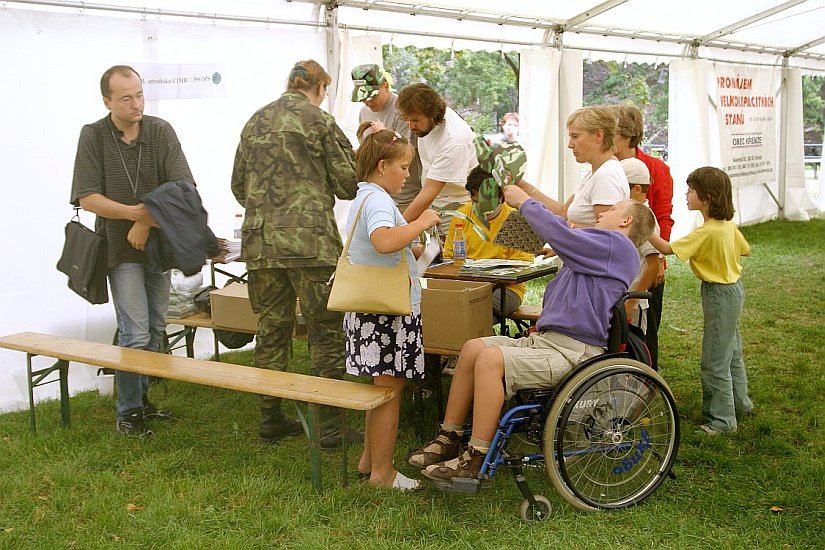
x=611 y=435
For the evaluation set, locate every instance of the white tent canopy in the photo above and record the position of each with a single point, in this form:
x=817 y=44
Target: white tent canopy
x=55 y=52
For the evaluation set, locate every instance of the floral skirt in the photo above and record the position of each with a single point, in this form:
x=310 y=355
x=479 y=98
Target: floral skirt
x=384 y=344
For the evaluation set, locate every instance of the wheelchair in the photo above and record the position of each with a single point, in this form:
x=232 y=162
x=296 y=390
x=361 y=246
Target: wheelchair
x=608 y=433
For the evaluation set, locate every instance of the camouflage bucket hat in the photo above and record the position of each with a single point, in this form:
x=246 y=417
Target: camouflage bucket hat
x=506 y=163
x=367 y=80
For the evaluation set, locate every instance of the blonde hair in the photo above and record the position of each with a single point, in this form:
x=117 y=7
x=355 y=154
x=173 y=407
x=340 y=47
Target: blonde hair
x=362 y=129
x=307 y=75
x=377 y=146
x=592 y=119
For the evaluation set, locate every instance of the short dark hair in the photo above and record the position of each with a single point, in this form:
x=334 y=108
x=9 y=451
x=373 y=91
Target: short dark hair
x=474 y=179
x=122 y=70
x=423 y=100
x=713 y=185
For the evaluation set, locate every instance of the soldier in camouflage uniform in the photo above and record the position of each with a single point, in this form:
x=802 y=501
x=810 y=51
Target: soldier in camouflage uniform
x=291 y=163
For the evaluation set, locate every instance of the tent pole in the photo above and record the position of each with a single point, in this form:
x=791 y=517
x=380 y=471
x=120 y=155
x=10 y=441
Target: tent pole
x=783 y=141
x=558 y=44
x=135 y=10
x=333 y=47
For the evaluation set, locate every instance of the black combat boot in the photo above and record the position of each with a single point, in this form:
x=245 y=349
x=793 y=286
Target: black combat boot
x=132 y=425
x=275 y=425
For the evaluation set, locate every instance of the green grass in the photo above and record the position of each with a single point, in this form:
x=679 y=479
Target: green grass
x=206 y=482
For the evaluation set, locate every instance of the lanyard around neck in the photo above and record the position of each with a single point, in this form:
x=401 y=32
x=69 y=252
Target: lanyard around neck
x=132 y=184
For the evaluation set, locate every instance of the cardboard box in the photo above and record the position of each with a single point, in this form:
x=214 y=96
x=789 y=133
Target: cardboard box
x=231 y=309
x=453 y=312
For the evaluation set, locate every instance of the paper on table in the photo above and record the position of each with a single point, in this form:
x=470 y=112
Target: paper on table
x=490 y=263
x=430 y=252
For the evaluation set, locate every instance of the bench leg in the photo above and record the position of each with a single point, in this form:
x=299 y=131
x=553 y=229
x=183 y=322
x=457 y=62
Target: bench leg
x=344 y=445
x=35 y=378
x=187 y=334
x=63 y=367
x=217 y=356
x=190 y=341
x=313 y=429
x=30 y=382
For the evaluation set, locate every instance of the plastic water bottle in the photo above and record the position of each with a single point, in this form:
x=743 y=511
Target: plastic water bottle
x=236 y=233
x=459 y=244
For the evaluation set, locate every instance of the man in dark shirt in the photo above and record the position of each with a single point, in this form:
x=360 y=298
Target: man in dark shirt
x=119 y=158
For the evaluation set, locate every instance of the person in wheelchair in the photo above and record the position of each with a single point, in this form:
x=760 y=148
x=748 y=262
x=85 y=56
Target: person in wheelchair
x=599 y=265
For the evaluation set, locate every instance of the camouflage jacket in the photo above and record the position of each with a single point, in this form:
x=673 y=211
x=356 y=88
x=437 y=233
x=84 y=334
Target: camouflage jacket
x=291 y=163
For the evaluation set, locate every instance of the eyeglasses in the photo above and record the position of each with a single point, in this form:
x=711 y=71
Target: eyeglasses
x=395 y=138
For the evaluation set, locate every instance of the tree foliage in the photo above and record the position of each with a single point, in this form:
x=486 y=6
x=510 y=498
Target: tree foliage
x=813 y=106
x=482 y=86
x=643 y=85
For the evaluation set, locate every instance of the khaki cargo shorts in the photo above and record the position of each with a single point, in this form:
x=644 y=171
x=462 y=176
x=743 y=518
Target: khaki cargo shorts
x=539 y=361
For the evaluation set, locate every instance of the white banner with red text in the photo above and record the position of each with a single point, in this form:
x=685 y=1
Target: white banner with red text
x=746 y=102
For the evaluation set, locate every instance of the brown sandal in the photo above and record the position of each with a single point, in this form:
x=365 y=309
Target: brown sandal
x=445 y=446
x=468 y=466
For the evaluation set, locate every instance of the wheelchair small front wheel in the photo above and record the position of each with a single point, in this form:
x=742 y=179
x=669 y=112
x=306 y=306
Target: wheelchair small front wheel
x=611 y=435
x=539 y=512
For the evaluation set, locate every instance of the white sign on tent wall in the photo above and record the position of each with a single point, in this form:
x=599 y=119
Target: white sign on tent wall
x=181 y=80
x=746 y=108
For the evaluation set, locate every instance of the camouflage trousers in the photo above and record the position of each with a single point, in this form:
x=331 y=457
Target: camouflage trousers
x=272 y=294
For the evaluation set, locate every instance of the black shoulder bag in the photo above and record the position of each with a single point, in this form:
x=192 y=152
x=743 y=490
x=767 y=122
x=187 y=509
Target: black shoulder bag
x=84 y=260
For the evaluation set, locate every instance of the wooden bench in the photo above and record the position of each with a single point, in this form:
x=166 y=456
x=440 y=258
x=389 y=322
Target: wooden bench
x=526 y=313
x=312 y=390
x=190 y=325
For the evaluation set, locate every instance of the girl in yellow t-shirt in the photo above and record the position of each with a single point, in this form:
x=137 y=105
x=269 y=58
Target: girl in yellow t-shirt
x=713 y=251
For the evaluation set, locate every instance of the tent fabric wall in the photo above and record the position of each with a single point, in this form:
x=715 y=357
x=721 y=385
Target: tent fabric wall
x=47 y=102
x=799 y=205
x=45 y=105
x=550 y=90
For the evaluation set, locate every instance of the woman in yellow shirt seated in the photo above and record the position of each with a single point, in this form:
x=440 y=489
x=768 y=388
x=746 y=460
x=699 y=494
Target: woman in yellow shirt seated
x=478 y=249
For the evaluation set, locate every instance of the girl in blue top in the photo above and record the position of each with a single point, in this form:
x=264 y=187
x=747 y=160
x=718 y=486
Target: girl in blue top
x=713 y=251
x=386 y=347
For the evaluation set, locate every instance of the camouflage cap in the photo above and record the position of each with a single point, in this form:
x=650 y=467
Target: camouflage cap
x=367 y=79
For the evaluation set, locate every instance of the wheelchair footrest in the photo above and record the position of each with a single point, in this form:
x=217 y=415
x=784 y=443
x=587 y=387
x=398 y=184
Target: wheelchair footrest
x=461 y=484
